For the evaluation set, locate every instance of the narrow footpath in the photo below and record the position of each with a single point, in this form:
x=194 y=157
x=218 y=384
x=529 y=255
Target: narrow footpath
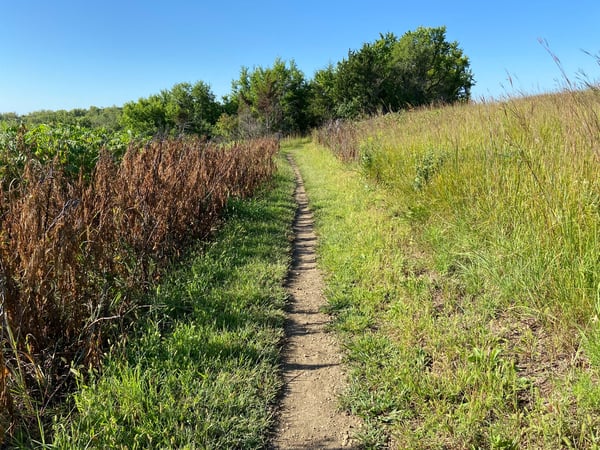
x=309 y=417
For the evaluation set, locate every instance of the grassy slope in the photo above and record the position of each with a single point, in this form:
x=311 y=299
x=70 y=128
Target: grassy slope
x=465 y=280
x=202 y=372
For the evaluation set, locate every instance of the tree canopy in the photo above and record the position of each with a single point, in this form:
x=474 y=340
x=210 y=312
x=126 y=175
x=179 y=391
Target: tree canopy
x=94 y=117
x=185 y=108
x=393 y=73
x=429 y=69
x=272 y=99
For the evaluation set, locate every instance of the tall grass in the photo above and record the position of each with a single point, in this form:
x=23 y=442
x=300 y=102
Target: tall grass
x=488 y=334
x=74 y=253
x=522 y=175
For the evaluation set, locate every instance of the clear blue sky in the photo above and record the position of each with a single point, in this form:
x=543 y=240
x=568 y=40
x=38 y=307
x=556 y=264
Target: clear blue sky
x=65 y=54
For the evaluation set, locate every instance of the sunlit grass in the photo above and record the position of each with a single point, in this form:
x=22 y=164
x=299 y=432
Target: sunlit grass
x=462 y=260
x=520 y=180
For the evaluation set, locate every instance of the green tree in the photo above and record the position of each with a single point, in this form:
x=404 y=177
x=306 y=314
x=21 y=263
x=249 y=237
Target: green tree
x=321 y=97
x=421 y=67
x=185 y=108
x=230 y=104
x=191 y=108
x=429 y=69
x=266 y=94
x=9 y=119
x=147 y=116
x=94 y=117
x=108 y=118
x=272 y=99
x=363 y=84
x=226 y=127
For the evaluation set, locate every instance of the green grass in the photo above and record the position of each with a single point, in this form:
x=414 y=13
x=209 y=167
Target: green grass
x=461 y=258
x=202 y=369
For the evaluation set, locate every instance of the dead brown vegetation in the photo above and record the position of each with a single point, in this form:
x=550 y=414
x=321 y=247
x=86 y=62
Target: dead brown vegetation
x=73 y=251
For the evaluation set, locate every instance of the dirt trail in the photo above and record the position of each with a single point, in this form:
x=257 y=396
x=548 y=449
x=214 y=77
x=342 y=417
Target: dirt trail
x=309 y=418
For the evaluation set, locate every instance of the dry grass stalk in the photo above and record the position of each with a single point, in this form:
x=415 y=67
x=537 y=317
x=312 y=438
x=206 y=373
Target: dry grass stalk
x=342 y=138
x=67 y=246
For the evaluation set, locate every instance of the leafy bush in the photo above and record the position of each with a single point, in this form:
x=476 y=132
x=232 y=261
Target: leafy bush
x=427 y=166
x=72 y=147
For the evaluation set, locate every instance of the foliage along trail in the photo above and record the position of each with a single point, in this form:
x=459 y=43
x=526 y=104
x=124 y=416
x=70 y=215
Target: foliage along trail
x=198 y=364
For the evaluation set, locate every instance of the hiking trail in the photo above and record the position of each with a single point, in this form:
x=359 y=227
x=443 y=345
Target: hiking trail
x=309 y=417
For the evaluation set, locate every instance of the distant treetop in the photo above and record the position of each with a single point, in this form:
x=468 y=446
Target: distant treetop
x=393 y=73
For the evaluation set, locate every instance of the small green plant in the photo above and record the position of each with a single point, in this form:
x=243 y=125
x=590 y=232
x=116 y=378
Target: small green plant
x=497 y=441
x=427 y=166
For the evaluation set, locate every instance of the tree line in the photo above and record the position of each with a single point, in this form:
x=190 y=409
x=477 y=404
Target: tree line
x=93 y=117
x=389 y=74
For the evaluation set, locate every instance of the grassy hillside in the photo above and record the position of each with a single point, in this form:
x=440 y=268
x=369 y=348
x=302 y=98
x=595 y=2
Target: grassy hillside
x=462 y=246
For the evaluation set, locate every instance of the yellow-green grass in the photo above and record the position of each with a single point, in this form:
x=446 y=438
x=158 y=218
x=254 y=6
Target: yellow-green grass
x=515 y=184
x=462 y=255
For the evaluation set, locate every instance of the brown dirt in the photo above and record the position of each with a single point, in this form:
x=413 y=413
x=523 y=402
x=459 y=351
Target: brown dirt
x=309 y=417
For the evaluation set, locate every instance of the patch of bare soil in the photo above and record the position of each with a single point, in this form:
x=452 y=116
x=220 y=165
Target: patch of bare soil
x=309 y=417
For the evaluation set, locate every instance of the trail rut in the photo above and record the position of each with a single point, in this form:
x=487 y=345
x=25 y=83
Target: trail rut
x=312 y=370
